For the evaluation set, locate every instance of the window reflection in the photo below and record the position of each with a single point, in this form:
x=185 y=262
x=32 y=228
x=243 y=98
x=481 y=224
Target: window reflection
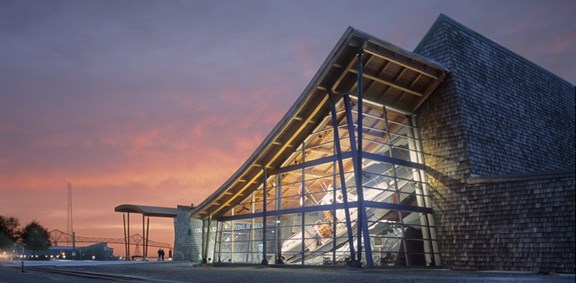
x=306 y=199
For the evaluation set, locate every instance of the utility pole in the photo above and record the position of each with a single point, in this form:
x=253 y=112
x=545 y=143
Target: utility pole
x=70 y=224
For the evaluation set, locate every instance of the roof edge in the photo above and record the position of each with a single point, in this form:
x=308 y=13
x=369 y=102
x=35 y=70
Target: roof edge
x=413 y=55
x=351 y=36
x=146 y=210
x=276 y=130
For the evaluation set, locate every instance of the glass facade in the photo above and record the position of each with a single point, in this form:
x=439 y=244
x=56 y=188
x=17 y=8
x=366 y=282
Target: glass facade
x=313 y=210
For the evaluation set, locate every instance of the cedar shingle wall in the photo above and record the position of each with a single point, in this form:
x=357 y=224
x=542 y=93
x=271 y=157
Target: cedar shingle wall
x=498 y=114
x=511 y=225
x=517 y=117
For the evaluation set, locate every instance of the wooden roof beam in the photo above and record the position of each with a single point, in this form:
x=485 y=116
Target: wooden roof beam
x=278 y=153
x=322 y=150
x=341 y=77
x=400 y=60
x=374 y=77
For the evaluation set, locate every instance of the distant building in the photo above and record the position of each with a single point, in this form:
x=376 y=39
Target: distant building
x=465 y=152
x=99 y=251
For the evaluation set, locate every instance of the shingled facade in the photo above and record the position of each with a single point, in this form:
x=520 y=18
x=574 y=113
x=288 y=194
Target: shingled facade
x=498 y=137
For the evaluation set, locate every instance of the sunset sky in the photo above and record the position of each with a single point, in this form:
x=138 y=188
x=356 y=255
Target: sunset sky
x=159 y=102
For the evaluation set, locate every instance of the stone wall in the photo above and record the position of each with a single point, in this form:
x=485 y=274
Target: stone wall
x=498 y=114
x=186 y=242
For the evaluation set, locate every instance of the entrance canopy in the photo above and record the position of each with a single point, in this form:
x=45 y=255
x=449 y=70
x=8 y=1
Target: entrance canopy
x=154 y=211
x=146 y=211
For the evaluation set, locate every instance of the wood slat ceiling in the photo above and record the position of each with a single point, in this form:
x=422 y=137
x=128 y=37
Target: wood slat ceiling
x=391 y=76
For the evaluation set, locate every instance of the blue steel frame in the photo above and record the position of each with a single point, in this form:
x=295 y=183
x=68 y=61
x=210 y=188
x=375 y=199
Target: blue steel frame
x=302 y=190
x=317 y=208
x=346 y=205
x=357 y=156
x=341 y=174
x=264 y=215
x=362 y=225
x=363 y=222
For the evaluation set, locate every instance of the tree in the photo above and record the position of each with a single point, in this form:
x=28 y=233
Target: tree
x=8 y=231
x=35 y=237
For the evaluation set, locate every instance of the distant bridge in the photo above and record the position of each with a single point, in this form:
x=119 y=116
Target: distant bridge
x=57 y=237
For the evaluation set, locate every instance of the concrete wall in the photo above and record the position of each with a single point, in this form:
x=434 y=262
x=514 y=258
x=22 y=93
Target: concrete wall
x=498 y=114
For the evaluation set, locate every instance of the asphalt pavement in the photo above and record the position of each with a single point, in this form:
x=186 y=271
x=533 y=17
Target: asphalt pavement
x=177 y=272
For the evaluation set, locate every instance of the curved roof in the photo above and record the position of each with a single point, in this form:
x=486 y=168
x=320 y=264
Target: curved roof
x=155 y=211
x=398 y=78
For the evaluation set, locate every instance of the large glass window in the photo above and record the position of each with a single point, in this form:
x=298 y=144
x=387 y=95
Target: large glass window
x=308 y=210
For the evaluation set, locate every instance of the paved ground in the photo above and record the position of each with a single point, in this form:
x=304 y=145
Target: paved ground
x=174 y=272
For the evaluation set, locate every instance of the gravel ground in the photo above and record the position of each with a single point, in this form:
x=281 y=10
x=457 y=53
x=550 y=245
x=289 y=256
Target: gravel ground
x=186 y=272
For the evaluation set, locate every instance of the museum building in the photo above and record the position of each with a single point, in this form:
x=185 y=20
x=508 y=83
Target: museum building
x=459 y=154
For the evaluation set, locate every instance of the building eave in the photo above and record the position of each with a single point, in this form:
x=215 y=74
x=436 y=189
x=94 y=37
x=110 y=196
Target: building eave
x=335 y=74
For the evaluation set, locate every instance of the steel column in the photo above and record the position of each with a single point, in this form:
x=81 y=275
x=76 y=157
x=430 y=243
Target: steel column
x=397 y=189
x=420 y=198
x=357 y=180
x=358 y=161
x=333 y=211
x=361 y=207
x=147 y=234
x=278 y=206
x=342 y=177
x=143 y=235
x=208 y=234
x=125 y=237
x=423 y=187
x=128 y=254
x=215 y=239
x=362 y=224
x=232 y=239
x=252 y=235
x=302 y=200
x=204 y=260
x=221 y=223
x=264 y=212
